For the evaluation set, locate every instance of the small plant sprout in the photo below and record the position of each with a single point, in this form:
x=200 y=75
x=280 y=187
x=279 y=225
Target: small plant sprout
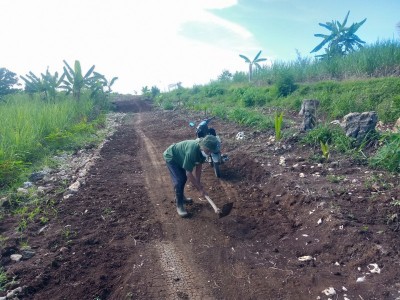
x=3 y=279
x=325 y=149
x=3 y=240
x=395 y=202
x=278 y=126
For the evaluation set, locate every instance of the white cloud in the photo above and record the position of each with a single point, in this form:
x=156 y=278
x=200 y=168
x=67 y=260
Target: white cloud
x=138 y=41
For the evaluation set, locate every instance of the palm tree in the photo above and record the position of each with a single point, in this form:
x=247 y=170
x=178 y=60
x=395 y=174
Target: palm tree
x=341 y=40
x=255 y=62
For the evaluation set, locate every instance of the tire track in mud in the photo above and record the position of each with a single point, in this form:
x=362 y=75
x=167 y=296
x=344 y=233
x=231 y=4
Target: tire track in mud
x=179 y=277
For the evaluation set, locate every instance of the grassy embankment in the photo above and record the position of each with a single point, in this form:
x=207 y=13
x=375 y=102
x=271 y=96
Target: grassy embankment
x=366 y=80
x=31 y=130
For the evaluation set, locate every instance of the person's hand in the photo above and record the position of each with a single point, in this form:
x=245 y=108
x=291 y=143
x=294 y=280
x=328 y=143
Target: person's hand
x=203 y=192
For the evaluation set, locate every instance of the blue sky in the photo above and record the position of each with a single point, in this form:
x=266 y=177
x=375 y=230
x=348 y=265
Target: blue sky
x=157 y=43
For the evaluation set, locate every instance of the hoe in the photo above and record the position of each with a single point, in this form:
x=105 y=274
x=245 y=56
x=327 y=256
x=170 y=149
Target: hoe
x=226 y=209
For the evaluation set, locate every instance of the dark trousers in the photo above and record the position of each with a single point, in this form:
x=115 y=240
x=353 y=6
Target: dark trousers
x=179 y=178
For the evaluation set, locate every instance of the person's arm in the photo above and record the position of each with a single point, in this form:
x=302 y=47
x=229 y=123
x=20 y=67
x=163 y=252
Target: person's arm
x=198 y=172
x=196 y=180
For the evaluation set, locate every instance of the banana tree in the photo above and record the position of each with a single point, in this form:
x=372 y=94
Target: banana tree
x=105 y=83
x=52 y=83
x=341 y=40
x=75 y=81
x=254 y=62
x=34 y=84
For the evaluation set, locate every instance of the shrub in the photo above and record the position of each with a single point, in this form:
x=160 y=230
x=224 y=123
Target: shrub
x=167 y=105
x=328 y=134
x=239 y=77
x=9 y=171
x=388 y=157
x=213 y=90
x=285 y=84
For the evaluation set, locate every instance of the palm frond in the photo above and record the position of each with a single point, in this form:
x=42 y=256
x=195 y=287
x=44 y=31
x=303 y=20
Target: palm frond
x=258 y=54
x=245 y=58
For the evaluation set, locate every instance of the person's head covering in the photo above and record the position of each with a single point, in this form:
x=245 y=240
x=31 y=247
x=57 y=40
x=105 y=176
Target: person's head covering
x=210 y=142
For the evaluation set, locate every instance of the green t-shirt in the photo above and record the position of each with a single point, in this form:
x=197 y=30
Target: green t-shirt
x=185 y=154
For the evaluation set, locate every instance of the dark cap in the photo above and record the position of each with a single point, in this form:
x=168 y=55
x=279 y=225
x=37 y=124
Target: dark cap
x=210 y=142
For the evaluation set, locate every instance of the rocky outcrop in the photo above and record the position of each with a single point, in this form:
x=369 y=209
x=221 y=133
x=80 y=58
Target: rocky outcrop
x=358 y=125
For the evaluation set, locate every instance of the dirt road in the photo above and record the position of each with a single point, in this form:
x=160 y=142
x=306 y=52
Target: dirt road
x=120 y=237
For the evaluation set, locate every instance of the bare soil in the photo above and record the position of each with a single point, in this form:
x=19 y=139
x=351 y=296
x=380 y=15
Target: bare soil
x=120 y=237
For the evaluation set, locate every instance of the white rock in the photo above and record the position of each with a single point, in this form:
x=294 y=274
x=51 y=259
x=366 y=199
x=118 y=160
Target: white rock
x=373 y=268
x=22 y=191
x=15 y=257
x=302 y=175
x=360 y=279
x=28 y=184
x=329 y=291
x=305 y=258
x=75 y=186
x=240 y=135
x=319 y=221
x=67 y=196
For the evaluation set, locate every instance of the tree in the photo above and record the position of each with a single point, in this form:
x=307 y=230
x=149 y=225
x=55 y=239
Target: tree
x=255 y=62
x=225 y=76
x=154 y=91
x=8 y=79
x=75 y=80
x=104 y=83
x=47 y=84
x=341 y=40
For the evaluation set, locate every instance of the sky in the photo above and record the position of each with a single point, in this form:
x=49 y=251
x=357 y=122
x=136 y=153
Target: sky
x=163 y=42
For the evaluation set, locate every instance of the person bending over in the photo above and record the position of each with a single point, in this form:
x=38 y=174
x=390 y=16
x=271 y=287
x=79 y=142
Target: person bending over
x=184 y=160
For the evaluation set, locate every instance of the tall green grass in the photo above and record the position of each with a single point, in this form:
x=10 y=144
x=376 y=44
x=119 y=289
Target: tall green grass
x=380 y=59
x=28 y=127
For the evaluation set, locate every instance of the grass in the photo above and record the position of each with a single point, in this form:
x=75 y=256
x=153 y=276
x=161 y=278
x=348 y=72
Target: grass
x=348 y=90
x=3 y=279
x=31 y=130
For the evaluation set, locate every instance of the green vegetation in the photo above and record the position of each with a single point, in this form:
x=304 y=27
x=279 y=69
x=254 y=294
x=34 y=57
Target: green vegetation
x=3 y=279
x=52 y=115
x=388 y=156
x=341 y=40
x=325 y=149
x=47 y=84
x=254 y=62
x=278 y=126
x=8 y=80
x=31 y=129
x=356 y=82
